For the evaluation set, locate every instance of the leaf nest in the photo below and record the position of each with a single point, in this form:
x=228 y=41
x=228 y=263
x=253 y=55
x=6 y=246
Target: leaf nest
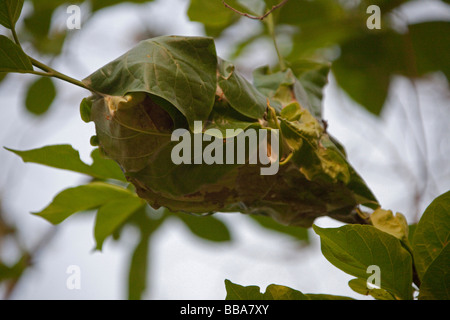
x=173 y=83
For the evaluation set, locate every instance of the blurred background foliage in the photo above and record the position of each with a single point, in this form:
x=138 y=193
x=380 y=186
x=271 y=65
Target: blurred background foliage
x=385 y=73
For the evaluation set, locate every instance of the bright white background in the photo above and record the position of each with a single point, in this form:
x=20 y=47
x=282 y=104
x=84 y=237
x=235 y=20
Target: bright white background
x=181 y=265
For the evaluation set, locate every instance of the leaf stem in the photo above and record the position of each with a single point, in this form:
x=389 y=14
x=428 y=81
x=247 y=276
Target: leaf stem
x=271 y=27
x=282 y=3
x=15 y=37
x=53 y=73
x=49 y=72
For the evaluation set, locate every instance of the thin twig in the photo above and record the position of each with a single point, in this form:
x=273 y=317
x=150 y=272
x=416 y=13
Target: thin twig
x=255 y=17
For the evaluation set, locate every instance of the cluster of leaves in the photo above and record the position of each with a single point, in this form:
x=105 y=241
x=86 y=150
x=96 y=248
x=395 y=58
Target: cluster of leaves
x=368 y=59
x=409 y=258
x=168 y=83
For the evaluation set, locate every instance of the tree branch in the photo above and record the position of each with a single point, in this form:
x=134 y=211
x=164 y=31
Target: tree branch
x=261 y=18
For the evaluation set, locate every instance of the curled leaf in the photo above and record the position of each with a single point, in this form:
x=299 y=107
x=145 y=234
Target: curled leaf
x=385 y=220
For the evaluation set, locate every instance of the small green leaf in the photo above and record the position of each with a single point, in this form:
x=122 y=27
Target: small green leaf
x=67 y=158
x=12 y=57
x=240 y=93
x=314 y=78
x=291 y=112
x=40 y=96
x=277 y=292
x=85 y=109
x=360 y=286
x=10 y=12
x=282 y=87
x=112 y=215
x=353 y=248
x=206 y=227
x=14 y=272
x=432 y=233
x=82 y=198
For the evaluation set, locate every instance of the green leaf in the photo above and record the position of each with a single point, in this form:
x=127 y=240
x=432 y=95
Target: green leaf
x=273 y=292
x=216 y=17
x=314 y=78
x=320 y=24
x=138 y=270
x=101 y=4
x=297 y=233
x=40 y=96
x=365 y=67
x=320 y=296
x=186 y=181
x=303 y=12
x=360 y=286
x=282 y=86
x=104 y=168
x=240 y=93
x=317 y=160
x=180 y=70
x=39 y=21
x=224 y=117
x=432 y=233
x=431 y=44
x=3 y=76
x=10 y=12
x=15 y=271
x=112 y=215
x=238 y=292
x=85 y=109
x=206 y=227
x=82 y=198
x=139 y=267
x=66 y=158
x=385 y=5
x=126 y=139
x=12 y=57
x=353 y=248
x=38 y=25
x=210 y=13
x=277 y=292
x=436 y=281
